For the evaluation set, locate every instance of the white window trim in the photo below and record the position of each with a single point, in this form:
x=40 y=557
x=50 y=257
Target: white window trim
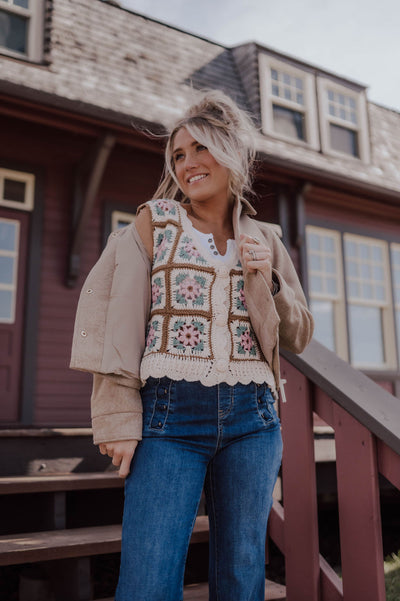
x=117 y=216
x=266 y=63
x=12 y=287
x=35 y=14
x=395 y=246
x=20 y=176
x=323 y=83
x=388 y=327
x=339 y=302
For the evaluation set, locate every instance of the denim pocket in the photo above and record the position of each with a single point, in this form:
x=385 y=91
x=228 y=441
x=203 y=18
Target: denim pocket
x=265 y=405
x=156 y=396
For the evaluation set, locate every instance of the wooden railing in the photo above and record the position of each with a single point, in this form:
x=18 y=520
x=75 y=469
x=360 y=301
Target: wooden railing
x=366 y=423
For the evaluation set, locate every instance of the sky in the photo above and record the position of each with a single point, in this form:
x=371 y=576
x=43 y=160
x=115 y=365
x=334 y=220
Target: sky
x=356 y=39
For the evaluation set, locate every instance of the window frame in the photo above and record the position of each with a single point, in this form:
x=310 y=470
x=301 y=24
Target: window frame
x=35 y=29
x=338 y=300
x=266 y=64
x=121 y=216
x=395 y=246
x=13 y=288
x=20 y=176
x=323 y=85
x=386 y=306
x=390 y=343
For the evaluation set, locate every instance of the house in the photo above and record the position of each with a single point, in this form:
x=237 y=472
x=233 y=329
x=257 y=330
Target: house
x=87 y=89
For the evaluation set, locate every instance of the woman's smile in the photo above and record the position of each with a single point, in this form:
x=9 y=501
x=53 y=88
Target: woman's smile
x=195 y=178
x=199 y=175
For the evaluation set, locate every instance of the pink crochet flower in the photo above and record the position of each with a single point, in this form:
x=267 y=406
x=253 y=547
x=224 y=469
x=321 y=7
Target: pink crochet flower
x=246 y=341
x=189 y=288
x=165 y=205
x=150 y=336
x=161 y=247
x=191 y=249
x=155 y=292
x=242 y=298
x=188 y=335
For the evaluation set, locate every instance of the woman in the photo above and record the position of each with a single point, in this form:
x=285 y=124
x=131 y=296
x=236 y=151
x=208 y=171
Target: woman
x=181 y=318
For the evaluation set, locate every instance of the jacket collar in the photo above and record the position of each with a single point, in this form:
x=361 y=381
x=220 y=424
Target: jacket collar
x=246 y=207
x=241 y=208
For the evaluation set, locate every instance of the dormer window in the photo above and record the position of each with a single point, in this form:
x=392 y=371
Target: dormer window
x=343 y=115
x=21 y=28
x=288 y=102
x=342 y=111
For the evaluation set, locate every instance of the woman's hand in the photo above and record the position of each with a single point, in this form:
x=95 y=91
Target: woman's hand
x=255 y=256
x=121 y=452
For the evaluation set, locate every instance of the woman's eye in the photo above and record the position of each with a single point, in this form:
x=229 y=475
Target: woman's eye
x=201 y=147
x=178 y=157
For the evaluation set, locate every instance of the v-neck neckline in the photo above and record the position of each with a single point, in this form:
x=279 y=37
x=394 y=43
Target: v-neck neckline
x=212 y=258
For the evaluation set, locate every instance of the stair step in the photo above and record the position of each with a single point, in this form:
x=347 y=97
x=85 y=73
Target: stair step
x=199 y=592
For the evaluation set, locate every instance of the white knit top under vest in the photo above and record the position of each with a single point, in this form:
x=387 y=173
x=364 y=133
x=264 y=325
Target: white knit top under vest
x=199 y=328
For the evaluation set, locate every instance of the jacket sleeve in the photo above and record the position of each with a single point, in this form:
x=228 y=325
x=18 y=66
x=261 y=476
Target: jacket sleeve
x=296 y=323
x=109 y=336
x=116 y=409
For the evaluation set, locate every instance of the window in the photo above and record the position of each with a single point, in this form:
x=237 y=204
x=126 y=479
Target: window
x=9 y=244
x=21 y=28
x=16 y=189
x=288 y=102
x=325 y=278
x=368 y=296
x=363 y=286
x=395 y=250
x=344 y=126
x=120 y=219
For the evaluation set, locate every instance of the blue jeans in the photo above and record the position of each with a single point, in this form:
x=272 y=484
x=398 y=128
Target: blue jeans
x=225 y=438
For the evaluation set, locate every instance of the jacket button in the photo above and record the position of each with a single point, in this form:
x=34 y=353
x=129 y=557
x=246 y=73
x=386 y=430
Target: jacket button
x=84 y=333
x=89 y=291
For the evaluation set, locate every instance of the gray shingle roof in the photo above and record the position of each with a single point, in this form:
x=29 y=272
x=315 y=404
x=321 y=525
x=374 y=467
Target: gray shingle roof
x=110 y=59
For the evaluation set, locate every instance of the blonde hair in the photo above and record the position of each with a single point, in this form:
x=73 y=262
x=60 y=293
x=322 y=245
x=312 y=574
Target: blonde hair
x=215 y=121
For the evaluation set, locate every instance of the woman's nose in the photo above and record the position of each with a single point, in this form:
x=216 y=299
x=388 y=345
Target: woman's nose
x=190 y=161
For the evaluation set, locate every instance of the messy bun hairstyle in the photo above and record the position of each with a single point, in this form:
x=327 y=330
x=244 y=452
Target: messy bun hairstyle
x=215 y=121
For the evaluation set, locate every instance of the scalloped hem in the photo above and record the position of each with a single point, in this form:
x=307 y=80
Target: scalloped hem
x=205 y=372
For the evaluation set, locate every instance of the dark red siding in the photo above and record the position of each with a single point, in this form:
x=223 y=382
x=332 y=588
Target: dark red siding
x=61 y=396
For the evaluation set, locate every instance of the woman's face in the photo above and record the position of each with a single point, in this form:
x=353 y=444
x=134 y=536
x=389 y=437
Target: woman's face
x=199 y=175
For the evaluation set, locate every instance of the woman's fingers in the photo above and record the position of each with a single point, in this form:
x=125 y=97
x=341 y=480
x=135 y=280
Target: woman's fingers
x=255 y=256
x=121 y=452
x=126 y=462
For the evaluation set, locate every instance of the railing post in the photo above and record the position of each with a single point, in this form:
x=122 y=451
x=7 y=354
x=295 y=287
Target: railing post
x=299 y=490
x=359 y=510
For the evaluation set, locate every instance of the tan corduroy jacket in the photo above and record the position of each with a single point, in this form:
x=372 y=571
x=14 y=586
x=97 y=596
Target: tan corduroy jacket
x=113 y=310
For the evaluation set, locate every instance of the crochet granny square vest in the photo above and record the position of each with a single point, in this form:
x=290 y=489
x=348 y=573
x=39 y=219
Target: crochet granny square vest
x=199 y=328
